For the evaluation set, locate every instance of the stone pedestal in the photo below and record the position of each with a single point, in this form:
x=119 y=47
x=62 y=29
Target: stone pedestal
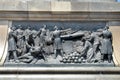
x=116 y=44
x=3 y=40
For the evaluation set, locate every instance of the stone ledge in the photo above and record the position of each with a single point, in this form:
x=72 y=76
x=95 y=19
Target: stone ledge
x=59 y=70
x=72 y=16
x=60 y=73
x=59 y=77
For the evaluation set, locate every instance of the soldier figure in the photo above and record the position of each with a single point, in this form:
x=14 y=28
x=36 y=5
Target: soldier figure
x=42 y=35
x=27 y=32
x=106 y=45
x=12 y=45
x=57 y=42
x=19 y=31
x=20 y=41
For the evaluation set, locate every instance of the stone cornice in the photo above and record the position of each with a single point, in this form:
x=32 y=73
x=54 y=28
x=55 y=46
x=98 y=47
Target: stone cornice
x=58 y=10
x=59 y=16
x=62 y=6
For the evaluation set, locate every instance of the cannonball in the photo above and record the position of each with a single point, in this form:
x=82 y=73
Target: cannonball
x=75 y=60
x=64 y=60
x=71 y=61
x=79 y=60
x=73 y=57
x=76 y=57
x=68 y=61
x=63 y=57
x=83 y=61
x=82 y=58
x=77 y=54
x=74 y=53
x=66 y=57
x=69 y=57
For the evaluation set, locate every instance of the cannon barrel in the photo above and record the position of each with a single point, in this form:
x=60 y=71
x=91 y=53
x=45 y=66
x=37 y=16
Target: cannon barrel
x=74 y=35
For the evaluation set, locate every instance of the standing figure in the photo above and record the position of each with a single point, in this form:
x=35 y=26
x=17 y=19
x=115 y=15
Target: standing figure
x=57 y=42
x=35 y=38
x=106 y=45
x=48 y=43
x=27 y=32
x=21 y=47
x=12 y=45
x=19 y=31
x=43 y=35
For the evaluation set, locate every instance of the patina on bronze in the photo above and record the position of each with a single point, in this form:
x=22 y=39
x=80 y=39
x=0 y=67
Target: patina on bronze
x=29 y=46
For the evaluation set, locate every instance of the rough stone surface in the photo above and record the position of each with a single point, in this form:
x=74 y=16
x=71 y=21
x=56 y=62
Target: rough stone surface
x=60 y=6
x=14 y=5
x=38 y=5
x=104 y=7
x=83 y=6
